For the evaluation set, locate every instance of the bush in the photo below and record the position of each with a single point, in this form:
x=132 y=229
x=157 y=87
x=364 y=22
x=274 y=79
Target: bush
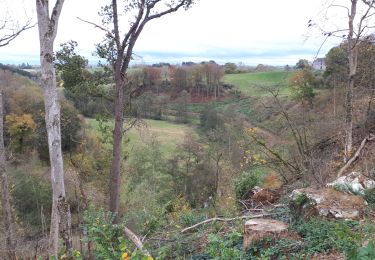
x=32 y=198
x=323 y=236
x=107 y=237
x=363 y=253
x=245 y=183
x=228 y=248
x=370 y=196
x=271 y=248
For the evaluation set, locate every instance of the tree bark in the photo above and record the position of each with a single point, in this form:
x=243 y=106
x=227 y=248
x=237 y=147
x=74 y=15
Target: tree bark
x=352 y=56
x=60 y=217
x=117 y=149
x=5 y=196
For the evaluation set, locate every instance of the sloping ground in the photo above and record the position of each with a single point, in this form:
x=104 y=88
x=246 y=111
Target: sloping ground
x=256 y=83
x=168 y=134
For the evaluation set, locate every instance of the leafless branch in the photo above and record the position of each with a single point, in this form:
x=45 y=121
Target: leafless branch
x=109 y=33
x=356 y=155
x=14 y=32
x=224 y=220
x=341 y=6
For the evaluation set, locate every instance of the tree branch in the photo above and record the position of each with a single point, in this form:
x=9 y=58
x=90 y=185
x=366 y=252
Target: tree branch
x=135 y=239
x=6 y=39
x=369 y=138
x=223 y=220
x=109 y=33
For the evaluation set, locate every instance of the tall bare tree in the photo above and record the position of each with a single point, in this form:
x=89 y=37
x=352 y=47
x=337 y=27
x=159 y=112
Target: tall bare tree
x=356 y=33
x=359 y=16
x=9 y=31
x=60 y=218
x=118 y=50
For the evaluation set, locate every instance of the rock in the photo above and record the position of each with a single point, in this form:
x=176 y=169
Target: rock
x=326 y=203
x=257 y=229
x=353 y=182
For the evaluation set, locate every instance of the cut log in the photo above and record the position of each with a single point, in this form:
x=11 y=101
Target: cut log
x=257 y=229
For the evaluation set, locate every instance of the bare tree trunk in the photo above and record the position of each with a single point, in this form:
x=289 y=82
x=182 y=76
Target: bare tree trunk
x=60 y=217
x=352 y=55
x=117 y=149
x=5 y=197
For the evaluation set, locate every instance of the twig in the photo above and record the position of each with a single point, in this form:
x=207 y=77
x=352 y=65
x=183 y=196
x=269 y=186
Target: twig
x=223 y=220
x=369 y=138
x=109 y=33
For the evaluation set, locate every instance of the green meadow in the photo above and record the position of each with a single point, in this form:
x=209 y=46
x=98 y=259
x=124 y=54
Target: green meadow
x=257 y=83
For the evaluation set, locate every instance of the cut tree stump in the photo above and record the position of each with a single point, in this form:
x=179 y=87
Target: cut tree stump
x=257 y=229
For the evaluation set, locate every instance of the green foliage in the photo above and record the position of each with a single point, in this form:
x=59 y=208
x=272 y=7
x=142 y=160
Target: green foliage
x=71 y=66
x=191 y=218
x=88 y=90
x=16 y=70
x=323 y=236
x=363 y=253
x=228 y=248
x=108 y=238
x=302 y=64
x=230 y=68
x=182 y=115
x=348 y=189
x=269 y=248
x=210 y=118
x=147 y=175
x=21 y=130
x=255 y=84
x=301 y=199
x=71 y=125
x=32 y=197
x=369 y=196
x=245 y=183
x=337 y=66
x=301 y=84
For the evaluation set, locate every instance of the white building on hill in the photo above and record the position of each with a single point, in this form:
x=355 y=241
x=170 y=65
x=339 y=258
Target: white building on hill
x=319 y=64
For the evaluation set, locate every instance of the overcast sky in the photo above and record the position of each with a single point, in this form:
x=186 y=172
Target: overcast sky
x=249 y=31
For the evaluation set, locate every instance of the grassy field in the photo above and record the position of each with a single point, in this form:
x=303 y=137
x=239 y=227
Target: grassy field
x=168 y=134
x=253 y=84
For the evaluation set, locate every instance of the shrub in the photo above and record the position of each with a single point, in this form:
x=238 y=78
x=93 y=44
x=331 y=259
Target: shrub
x=107 y=237
x=363 y=253
x=32 y=198
x=271 y=248
x=245 y=183
x=228 y=248
x=370 y=196
x=322 y=235
x=20 y=129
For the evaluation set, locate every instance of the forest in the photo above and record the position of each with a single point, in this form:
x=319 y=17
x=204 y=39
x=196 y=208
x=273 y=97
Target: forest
x=191 y=160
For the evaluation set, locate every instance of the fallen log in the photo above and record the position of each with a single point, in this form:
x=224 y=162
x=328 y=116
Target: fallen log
x=135 y=239
x=223 y=220
x=355 y=157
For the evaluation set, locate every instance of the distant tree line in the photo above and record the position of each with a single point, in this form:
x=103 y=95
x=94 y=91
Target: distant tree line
x=17 y=69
